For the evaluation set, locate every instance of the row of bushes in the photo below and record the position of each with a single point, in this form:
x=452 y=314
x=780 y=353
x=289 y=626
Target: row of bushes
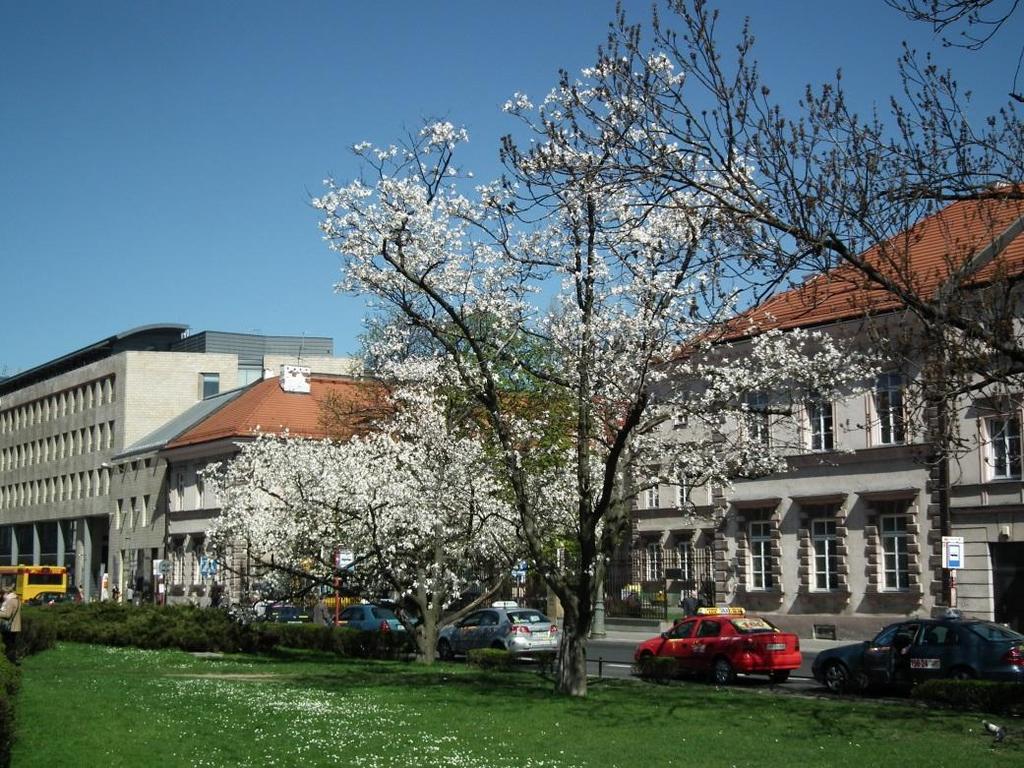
x=500 y=659
x=10 y=680
x=980 y=695
x=197 y=629
x=33 y=638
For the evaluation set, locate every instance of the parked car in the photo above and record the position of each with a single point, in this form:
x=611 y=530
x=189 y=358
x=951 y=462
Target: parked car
x=912 y=651
x=723 y=642
x=518 y=630
x=51 y=598
x=370 y=618
x=285 y=613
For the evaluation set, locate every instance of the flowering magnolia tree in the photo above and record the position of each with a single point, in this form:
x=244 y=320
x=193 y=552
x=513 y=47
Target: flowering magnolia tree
x=415 y=500
x=577 y=307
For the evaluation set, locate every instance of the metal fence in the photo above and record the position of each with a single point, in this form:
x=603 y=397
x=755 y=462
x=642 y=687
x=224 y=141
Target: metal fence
x=631 y=593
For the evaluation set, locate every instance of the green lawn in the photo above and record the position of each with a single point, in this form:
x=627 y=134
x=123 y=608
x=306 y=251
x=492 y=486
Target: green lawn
x=126 y=707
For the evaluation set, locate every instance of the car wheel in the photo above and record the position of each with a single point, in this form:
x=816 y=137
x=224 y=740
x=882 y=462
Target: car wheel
x=961 y=673
x=722 y=672
x=444 y=650
x=837 y=678
x=779 y=676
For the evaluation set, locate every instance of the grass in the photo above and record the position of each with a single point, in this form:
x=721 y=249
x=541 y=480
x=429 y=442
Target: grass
x=126 y=707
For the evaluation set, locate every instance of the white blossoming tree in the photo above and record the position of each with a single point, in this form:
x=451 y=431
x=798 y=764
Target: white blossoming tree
x=567 y=301
x=415 y=500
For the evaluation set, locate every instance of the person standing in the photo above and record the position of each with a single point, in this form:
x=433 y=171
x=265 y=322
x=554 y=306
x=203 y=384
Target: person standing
x=10 y=620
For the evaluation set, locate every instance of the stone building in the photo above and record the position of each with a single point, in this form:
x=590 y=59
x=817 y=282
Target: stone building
x=850 y=535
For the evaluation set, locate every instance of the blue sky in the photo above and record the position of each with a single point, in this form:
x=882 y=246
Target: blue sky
x=157 y=158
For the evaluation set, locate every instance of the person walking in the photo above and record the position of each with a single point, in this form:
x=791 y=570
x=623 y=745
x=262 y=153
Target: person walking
x=10 y=620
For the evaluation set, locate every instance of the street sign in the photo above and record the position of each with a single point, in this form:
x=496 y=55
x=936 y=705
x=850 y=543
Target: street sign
x=207 y=566
x=165 y=567
x=343 y=558
x=519 y=572
x=953 y=552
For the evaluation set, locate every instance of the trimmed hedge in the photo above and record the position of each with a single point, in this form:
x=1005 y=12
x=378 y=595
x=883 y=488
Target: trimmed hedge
x=659 y=669
x=490 y=658
x=10 y=680
x=981 y=695
x=202 y=629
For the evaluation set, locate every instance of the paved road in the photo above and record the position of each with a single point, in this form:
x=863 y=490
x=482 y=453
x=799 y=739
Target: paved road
x=614 y=658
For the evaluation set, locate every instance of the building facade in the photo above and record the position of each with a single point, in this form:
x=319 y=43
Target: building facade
x=61 y=424
x=850 y=535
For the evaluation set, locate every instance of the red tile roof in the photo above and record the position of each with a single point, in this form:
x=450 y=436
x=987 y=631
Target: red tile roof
x=919 y=260
x=265 y=407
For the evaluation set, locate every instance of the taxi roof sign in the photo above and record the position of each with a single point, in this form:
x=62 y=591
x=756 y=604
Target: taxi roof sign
x=721 y=610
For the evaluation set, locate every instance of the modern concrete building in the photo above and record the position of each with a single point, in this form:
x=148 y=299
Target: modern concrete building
x=62 y=422
x=851 y=534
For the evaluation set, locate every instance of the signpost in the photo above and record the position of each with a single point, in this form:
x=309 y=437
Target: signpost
x=343 y=559
x=953 y=560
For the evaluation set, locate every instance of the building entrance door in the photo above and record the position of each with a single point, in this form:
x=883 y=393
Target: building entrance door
x=1008 y=583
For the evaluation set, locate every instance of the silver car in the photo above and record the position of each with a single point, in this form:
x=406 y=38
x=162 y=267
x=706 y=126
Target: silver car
x=519 y=630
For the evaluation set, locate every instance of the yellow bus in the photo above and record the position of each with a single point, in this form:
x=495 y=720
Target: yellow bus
x=33 y=580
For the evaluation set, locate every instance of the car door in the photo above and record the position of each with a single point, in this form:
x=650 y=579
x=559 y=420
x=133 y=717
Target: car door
x=351 y=617
x=679 y=643
x=887 y=657
x=485 y=633
x=467 y=629
x=704 y=645
x=935 y=653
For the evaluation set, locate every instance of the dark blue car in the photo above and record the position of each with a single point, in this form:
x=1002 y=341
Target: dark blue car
x=915 y=650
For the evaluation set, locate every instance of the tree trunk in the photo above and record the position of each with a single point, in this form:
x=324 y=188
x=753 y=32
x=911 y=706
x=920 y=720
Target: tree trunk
x=426 y=638
x=572 y=662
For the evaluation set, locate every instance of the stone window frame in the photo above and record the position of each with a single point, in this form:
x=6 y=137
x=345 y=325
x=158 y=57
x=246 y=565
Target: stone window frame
x=881 y=505
x=641 y=563
x=831 y=508
x=747 y=513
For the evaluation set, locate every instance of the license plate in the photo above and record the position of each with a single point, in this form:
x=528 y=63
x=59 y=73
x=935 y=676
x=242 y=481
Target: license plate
x=776 y=646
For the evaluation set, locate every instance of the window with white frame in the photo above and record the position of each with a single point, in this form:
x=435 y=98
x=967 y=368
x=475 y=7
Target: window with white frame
x=179 y=490
x=1003 y=450
x=683 y=491
x=756 y=418
x=649 y=498
x=889 y=409
x=821 y=425
x=895 y=568
x=654 y=566
x=823 y=537
x=760 y=554
x=685 y=559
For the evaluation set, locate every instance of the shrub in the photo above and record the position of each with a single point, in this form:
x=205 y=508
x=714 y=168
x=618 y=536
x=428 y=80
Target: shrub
x=982 y=695
x=36 y=636
x=545 y=661
x=490 y=658
x=657 y=668
x=10 y=681
x=202 y=629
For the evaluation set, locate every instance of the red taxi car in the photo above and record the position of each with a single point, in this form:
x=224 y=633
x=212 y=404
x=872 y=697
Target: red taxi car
x=721 y=642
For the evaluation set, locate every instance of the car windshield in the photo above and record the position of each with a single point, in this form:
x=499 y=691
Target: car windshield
x=995 y=633
x=384 y=613
x=528 y=617
x=752 y=625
